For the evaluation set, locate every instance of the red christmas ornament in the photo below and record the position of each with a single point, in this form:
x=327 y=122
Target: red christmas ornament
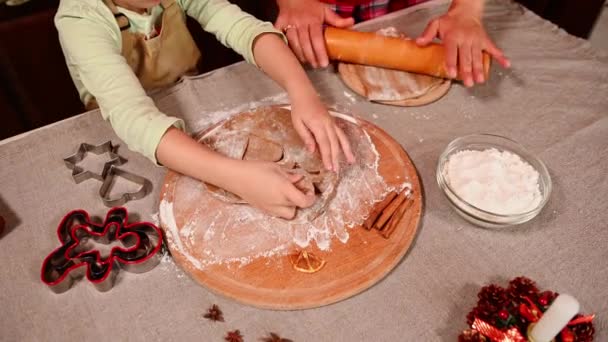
x=546 y=298
x=503 y=315
x=521 y=288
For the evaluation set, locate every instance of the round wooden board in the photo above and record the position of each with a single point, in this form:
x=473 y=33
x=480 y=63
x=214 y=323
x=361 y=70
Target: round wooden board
x=351 y=268
x=354 y=78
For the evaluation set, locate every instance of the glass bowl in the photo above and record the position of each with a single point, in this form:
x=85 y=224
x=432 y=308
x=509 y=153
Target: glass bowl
x=473 y=214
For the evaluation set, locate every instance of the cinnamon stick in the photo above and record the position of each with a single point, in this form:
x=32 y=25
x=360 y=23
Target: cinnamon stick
x=390 y=210
x=377 y=210
x=396 y=218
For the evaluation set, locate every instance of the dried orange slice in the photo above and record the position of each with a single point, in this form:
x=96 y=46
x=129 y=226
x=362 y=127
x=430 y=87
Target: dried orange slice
x=306 y=262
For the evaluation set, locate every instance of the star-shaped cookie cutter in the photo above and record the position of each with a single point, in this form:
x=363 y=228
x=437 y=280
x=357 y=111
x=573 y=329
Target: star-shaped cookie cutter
x=72 y=260
x=79 y=174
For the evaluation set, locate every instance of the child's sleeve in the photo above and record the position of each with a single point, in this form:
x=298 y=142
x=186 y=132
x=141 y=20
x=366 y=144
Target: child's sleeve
x=90 y=47
x=230 y=25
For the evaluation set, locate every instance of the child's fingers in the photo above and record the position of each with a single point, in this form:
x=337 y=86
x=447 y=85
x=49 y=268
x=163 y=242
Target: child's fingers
x=465 y=61
x=298 y=198
x=318 y=44
x=477 y=63
x=504 y=61
x=304 y=36
x=429 y=33
x=324 y=146
x=345 y=144
x=305 y=135
x=497 y=54
x=283 y=211
x=334 y=144
x=451 y=57
x=293 y=177
x=294 y=42
x=334 y=19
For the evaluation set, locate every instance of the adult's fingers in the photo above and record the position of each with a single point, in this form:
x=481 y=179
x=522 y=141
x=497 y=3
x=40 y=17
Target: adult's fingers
x=280 y=23
x=306 y=44
x=294 y=42
x=318 y=44
x=333 y=19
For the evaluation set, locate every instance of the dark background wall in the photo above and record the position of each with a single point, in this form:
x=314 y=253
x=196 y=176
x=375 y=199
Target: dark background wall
x=36 y=89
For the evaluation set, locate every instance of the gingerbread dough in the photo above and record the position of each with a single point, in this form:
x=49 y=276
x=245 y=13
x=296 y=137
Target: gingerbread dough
x=268 y=135
x=392 y=87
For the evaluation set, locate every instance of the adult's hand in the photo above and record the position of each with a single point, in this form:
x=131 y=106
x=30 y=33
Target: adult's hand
x=464 y=38
x=302 y=21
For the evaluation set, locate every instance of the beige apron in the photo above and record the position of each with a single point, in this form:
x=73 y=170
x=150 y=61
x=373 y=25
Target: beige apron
x=162 y=60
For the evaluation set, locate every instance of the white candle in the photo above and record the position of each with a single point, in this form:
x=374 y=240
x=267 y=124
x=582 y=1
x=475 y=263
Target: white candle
x=561 y=311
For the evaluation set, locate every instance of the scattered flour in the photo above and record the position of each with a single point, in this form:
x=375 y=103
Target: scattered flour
x=211 y=118
x=155 y=219
x=350 y=96
x=213 y=232
x=390 y=31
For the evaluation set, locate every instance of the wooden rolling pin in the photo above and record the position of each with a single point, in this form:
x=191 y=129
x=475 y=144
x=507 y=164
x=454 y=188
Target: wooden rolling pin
x=369 y=48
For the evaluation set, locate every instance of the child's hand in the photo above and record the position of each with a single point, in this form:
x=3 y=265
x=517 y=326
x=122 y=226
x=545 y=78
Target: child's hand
x=270 y=188
x=314 y=124
x=464 y=38
x=310 y=118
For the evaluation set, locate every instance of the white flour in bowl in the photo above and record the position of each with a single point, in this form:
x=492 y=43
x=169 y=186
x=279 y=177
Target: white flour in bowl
x=494 y=181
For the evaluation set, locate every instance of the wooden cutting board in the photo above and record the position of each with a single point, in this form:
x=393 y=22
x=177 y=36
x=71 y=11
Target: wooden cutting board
x=272 y=282
x=392 y=87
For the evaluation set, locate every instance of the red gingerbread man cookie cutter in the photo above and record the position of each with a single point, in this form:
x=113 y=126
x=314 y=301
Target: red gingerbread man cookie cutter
x=72 y=260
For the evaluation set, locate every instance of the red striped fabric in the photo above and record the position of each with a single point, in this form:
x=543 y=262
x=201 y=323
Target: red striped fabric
x=363 y=10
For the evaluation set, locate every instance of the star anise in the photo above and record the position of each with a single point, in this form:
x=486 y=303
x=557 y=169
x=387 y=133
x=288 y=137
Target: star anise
x=234 y=336
x=214 y=314
x=275 y=338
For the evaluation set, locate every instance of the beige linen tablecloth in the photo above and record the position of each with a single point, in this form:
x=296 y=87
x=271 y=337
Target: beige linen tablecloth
x=554 y=101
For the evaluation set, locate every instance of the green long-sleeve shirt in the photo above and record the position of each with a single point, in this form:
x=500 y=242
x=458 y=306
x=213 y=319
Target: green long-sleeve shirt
x=91 y=42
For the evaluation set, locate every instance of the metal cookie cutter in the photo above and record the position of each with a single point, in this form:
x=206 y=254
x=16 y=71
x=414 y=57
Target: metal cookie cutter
x=108 y=174
x=73 y=258
x=79 y=174
x=112 y=172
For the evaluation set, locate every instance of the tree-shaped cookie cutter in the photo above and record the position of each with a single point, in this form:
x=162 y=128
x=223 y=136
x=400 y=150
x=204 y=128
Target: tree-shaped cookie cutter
x=108 y=174
x=73 y=260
